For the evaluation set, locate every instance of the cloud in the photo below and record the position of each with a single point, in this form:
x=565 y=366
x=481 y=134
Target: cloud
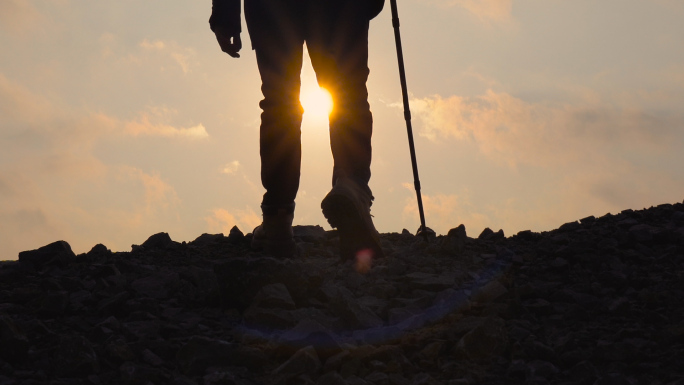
x=20 y=107
x=159 y=195
x=487 y=11
x=563 y=160
x=19 y=16
x=221 y=220
x=54 y=185
x=143 y=126
x=154 y=122
x=231 y=168
x=181 y=55
x=513 y=131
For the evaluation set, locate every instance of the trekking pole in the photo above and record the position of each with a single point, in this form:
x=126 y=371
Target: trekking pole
x=407 y=116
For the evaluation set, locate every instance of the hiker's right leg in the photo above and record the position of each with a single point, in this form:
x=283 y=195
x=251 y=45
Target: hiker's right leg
x=275 y=31
x=276 y=34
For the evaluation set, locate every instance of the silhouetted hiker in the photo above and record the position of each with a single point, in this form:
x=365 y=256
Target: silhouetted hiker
x=336 y=36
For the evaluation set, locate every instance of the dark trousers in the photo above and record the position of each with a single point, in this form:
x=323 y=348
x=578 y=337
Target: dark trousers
x=336 y=35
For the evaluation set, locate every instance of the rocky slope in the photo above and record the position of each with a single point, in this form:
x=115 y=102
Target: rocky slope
x=598 y=301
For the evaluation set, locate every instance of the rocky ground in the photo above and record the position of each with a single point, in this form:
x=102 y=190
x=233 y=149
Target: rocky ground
x=598 y=301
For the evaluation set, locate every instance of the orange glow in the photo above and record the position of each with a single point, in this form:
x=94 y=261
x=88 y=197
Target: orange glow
x=317 y=102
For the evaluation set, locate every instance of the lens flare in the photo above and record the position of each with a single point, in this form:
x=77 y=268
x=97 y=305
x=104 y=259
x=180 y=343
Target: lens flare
x=364 y=259
x=317 y=102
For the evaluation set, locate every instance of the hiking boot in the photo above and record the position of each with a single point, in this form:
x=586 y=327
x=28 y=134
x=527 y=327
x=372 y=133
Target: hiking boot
x=347 y=208
x=274 y=235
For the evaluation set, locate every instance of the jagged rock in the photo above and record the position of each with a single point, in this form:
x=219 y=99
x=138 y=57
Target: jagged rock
x=159 y=241
x=158 y=286
x=119 y=350
x=206 y=239
x=489 y=235
x=312 y=234
x=220 y=378
x=485 y=341
x=241 y=278
x=311 y=333
x=268 y=320
x=615 y=379
x=400 y=314
x=570 y=226
x=543 y=369
x=235 y=235
x=429 y=282
x=54 y=303
x=455 y=240
x=304 y=361
x=423 y=379
x=489 y=292
x=334 y=363
x=377 y=378
x=583 y=372
x=203 y=278
x=75 y=356
x=151 y=358
x=432 y=351
x=201 y=352
x=331 y=378
x=449 y=301
x=99 y=250
x=14 y=344
x=132 y=373
x=354 y=380
x=352 y=313
x=56 y=252
x=274 y=295
x=593 y=302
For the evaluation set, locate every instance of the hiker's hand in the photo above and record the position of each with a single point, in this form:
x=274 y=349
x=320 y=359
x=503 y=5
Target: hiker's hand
x=230 y=44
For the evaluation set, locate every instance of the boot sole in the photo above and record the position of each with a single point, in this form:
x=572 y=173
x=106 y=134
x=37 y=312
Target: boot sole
x=342 y=214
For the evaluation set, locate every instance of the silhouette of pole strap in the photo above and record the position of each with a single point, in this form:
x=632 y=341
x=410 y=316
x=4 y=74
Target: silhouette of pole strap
x=407 y=116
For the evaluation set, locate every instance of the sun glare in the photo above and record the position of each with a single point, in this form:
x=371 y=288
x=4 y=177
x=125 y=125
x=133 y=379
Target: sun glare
x=317 y=102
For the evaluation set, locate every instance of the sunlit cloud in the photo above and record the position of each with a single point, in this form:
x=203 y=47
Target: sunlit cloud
x=589 y=157
x=222 y=220
x=154 y=122
x=153 y=45
x=54 y=185
x=231 y=168
x=514 y=131
x=159 y=195
x=145 y=127
x=182 y=56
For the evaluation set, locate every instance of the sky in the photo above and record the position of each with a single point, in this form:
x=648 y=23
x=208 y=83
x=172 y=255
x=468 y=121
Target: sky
x=122 y=119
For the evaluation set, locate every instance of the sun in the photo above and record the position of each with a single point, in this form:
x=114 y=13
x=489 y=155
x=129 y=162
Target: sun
x=317 y=102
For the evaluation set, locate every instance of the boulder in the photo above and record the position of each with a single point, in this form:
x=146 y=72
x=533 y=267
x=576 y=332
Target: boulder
x=455 y=240
x=57 y=252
